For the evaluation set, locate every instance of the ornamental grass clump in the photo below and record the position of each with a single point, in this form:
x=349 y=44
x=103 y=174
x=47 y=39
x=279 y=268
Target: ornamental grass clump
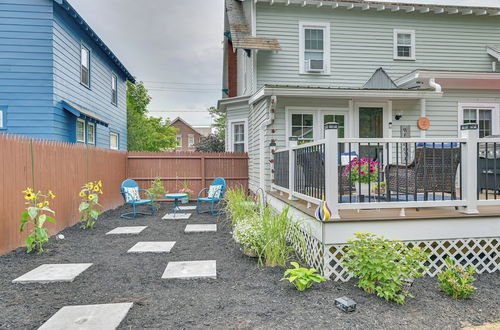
x=382 y=265
x=239 y=205
x=35 y=216
x=456 y=281
x=89 y=206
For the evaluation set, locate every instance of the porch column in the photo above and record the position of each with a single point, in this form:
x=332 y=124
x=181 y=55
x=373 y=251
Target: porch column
x=332 y=168
x=423 y=105
x=469 y=168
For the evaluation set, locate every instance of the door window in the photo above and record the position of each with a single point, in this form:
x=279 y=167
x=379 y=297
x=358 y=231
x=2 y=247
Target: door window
x=303 y=127
x=371 y=126
x=482 y=117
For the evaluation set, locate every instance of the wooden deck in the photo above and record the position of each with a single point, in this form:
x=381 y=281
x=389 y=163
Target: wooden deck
x=391 y=214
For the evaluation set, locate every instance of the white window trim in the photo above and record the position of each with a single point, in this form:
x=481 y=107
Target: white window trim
x=82 y=46
x=326 y=45
x=2 y=119
x=413 y=56
x=117 y=141
x=495 y=112
x=84 y=131
x=230 y=125
x=113 y=101
x=191 y=137
x=87 y=131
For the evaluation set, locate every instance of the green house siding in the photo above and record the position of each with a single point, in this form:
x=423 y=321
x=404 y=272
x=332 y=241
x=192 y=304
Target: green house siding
x=362 y=41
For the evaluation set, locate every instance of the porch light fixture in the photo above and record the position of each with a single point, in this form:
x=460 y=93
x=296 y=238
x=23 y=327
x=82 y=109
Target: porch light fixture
x=466 y=127
x=398 y=116
x=345 y=304
x=331 y=126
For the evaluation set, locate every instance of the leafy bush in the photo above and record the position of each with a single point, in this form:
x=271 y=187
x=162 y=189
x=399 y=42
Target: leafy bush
x=157 y=189
x=302 y=278
x=382 y=265
x=36 y=215
x=248 y=233
x=210 y=143
x=90 y=203
x=456 y=281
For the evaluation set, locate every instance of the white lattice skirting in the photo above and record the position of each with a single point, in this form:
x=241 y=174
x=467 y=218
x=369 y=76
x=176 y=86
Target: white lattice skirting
x=482 y=253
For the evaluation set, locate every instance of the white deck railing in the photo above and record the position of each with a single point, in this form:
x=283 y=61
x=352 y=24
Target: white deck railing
x=313 y=172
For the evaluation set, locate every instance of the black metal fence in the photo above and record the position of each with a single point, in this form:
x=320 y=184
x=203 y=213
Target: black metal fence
x=309 y=171
x=488 y=170
x=281 y=163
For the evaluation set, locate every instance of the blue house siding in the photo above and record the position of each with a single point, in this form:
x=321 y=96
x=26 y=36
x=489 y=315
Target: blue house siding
x=40 y=68
x=68 y=38
x=26 y=77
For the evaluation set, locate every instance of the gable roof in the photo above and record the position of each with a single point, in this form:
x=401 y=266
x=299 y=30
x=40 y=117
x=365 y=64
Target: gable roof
x=494 y=51
x=240 y=33
x=185 y=123
x=380 y=80
x=73 y=14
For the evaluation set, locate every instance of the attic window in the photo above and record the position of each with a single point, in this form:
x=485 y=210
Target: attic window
x=404 y=44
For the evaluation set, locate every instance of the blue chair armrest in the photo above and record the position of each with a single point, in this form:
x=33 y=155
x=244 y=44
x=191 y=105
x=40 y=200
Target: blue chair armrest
x=149 y=193
x=199 y=194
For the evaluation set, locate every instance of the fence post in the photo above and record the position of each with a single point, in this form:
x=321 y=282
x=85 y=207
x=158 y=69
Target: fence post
x=332 y=168
x=469 y=168
x=293 y=141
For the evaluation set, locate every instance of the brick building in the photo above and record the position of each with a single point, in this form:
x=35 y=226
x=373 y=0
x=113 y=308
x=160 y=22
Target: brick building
x=187 y=135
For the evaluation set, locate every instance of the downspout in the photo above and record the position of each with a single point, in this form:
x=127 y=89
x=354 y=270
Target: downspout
x=435 y=85
x=271 y=110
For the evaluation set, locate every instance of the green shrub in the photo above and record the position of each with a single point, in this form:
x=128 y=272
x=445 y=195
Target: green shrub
x=381 y=265
x=456 y=280
x=157 y=189
x=302 y=278
x=239 y=205
x=89 y=206
x=248 y=233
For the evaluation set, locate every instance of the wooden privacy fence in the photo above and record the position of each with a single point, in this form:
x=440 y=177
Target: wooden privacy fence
x=64 y=168
x=196 y=169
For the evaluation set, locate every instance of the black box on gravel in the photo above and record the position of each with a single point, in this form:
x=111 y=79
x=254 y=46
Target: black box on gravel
x=345 y=304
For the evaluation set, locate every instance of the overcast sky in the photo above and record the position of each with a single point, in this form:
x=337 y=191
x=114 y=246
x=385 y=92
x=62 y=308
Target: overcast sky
x=175 y=47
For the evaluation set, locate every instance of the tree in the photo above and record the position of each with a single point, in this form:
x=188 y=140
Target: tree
x=210 y=143
x=219 y=117
x=146 y=133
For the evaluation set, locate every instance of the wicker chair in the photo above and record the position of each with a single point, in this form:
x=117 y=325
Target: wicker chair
x=434 y=169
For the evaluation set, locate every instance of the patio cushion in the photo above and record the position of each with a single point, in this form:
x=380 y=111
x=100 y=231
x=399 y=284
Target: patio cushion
x=214 y=191
x=131 y=194
x=208 y=199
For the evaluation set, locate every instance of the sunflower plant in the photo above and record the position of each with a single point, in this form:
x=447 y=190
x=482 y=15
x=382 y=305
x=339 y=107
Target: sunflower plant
x=35 y=216
x=89 y=206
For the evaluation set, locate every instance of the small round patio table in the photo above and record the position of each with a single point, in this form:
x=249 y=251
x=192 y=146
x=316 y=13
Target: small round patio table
x=176 y=197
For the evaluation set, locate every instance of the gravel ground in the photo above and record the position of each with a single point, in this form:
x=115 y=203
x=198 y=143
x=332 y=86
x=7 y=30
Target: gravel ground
x=244 y=296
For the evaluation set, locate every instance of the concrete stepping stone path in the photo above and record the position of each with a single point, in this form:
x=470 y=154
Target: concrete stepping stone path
x=126 y=230
x=152 y=247
x=88 y=317
x=190 y=269
x=201 y=228
x=50 y=273
x=176 y=216
x=187 y=208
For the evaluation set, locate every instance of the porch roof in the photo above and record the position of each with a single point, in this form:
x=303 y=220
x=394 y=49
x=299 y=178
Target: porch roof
x=423 y=79
x=329 y=92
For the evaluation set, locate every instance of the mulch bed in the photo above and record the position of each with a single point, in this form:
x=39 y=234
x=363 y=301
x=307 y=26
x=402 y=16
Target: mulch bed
x=244 y=296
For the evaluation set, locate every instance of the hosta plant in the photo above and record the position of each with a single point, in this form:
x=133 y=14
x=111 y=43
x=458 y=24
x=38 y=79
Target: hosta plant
x=456 y=280
x=34 y=217
x=382 y=265
x=302 y=278
x=89 y=206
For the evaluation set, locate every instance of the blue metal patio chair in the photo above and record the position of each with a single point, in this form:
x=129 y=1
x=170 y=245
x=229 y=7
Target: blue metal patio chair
x=127 y=190
x=213 y=200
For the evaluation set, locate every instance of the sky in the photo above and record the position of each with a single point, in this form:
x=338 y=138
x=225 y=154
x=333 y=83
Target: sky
x=175 y=47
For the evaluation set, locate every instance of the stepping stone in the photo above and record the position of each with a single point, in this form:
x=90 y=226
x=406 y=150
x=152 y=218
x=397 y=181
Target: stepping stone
x=155 y=247
x=175 y=216
x=201 y=228
x=187 y=208
x=87 y=317
x=190 y=269
x=50 y=273
x=126 y=230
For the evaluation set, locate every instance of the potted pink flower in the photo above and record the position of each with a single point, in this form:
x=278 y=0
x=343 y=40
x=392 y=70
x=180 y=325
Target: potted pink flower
x=363 y=170
x=186 y=190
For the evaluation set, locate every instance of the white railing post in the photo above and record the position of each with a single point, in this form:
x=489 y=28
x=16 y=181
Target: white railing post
x=292 y=142
x=332 y=168
x=469 y=168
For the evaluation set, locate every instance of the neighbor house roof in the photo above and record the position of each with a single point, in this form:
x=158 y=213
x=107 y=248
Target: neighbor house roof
x=88 y=30
x=393 y=6
x=199 y=131
x=240 y=33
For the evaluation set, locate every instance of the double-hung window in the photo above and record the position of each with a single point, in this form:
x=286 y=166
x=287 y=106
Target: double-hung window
x=190 y=140
x=80 y=131
x=114 y=89
x=486 y=116
x=113 y=141
x=179 y=140
x=90 y=133
x=3 y=119
x=314 y=41
x=85 y=66
x=404 y=44
x=238 y=138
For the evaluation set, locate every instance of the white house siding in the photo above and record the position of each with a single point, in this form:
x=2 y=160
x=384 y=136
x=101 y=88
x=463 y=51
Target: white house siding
x=257 y=115
x=362 y=41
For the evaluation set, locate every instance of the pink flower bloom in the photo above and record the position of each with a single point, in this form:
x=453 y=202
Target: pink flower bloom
x=363 y=173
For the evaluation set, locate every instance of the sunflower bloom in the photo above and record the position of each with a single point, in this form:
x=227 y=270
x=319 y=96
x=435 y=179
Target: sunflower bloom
x=40 y=205
x=96 y=188
x=91 y=197
x=51 y=194
x=29 y=196
x=99 y=183
x=47 y=203
x=82 y=194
